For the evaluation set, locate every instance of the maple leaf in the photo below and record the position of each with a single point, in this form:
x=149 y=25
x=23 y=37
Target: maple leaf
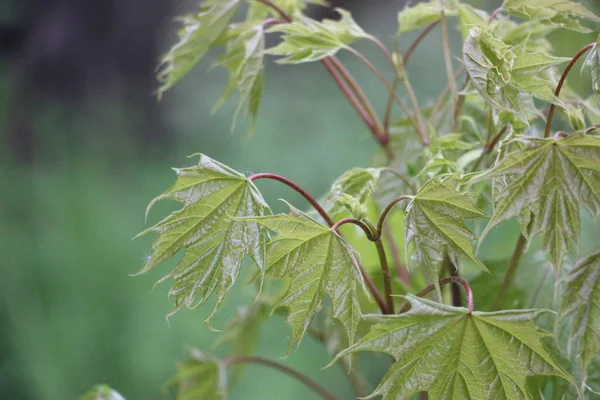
x=581 y=303
x=544 y=182
x=200 y=377
x=206 y=228
x=434 y=223
x=453 y=354
x=317 y=262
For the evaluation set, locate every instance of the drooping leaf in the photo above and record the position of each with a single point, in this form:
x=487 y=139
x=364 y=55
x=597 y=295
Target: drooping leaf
x=200 y=377
x=503 y=73
x=454 y=355
x=318 y=262
x=199 y=32
x=243 y=330
x=243 y=59
x=549 y=180
x=581 y=304
x=306 y=40
x=102 y=392
x=434 y=223
x=356 y=182
x=563 y=13
x=592 y=62
x=214 y=242
x=422 y=14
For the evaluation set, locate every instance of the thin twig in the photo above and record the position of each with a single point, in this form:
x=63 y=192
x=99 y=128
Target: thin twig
x=403 y=178
x=510 y=272
x=418 y=40
x=366 y=229
x=489 y=147
x=386 y=211
x=448 y=58
x=440 y=100
x=307 y=381
x=561 y=83
x=298 y=189
x=398 y=264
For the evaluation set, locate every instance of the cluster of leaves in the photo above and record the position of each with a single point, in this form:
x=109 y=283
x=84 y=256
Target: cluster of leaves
x=408 y=211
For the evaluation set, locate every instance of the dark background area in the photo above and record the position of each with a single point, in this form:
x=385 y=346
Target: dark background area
x=84 y=145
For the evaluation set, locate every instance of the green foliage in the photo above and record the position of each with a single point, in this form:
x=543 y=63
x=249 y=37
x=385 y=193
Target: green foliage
x=582 y=304
x=543 y=182
x=307 y=40
x=432 y=173
x=317 y=261
x=214 y=242
x=200 y=377
x=102 y=392
x=434 y=223
x=593 y=63
x=453 y=354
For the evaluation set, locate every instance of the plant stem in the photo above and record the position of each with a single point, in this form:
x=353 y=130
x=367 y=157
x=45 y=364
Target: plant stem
x=400 y=268
x=488 y=147
x=298 y=189
x=592 y=128
x=385 y=269
x=512 y=269
x=443 y=282
x=415 y=105
x=366 y=229
x=440 y=100
x=561 y=83
x=418 y=40
x=448 y=59
x=455 y=287
x=403 y=178
x=386 y=211
x=308 y=382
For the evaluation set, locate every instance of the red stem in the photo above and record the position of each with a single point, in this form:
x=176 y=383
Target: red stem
x=356 y=222
x=308 y=382
x=386 y=211
x=418 y=40
x=592 y=128
x=454 y=279
x=560 y=85
x=298 y=189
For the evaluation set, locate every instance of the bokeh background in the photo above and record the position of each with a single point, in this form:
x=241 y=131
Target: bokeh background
x=84 y=145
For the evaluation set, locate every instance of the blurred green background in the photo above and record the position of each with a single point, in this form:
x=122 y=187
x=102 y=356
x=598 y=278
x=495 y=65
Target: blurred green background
x=85 y=146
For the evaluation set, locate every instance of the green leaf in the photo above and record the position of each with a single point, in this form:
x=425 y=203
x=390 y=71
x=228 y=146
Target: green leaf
x=592 y=62
x=243 y=330
x=581 y=304
x=501 y=73
x=214 y=243
x=199 y=33
x=200 y=377
x=359 y=183
x=453 y=354
x=423 y=14
x=564 y=13
x=470 y=17
x=576 y=117
x=243 y=59
x=549 y=179
x=317 y=262
x=357 y=209
x=259 y=12
x=434 y=223
x=102 y=392
x=306 y=40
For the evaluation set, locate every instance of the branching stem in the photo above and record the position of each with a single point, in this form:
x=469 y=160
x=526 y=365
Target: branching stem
x=442 y=282
x=386 y=211
x=561 y=83
x=307 y=381
x=489 y=146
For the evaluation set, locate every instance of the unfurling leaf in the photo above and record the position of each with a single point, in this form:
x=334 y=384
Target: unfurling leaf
x=434 y=223
x=200 y=377
x=470 y=17
x=592 y=62
x=549 y=180
x=422 y=14
x=318 y=262
x=243 y=59
x=199 y=33
x=562 y=13
x=576 y=117
x=209 y=231
x=502 y=74
x=581 y=303
x=102 y=392
x=359 y=183
x=306 y=40
x=454 y=355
